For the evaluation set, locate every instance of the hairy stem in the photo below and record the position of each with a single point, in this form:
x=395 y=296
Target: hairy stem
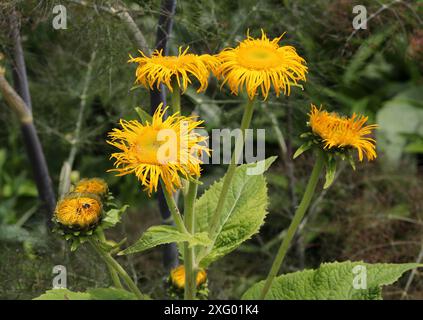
x=112 y=263
x=113 y=274
x=176 y=215
x=298 y=216
x=245 y=123
x=189 y=253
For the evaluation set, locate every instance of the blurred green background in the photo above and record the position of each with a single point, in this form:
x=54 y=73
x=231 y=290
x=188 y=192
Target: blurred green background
x=373 y=214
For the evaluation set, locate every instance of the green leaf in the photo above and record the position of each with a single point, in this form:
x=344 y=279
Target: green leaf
x=75 y=245
x=334 y=281
x=63 y=294
x=243 y=213
x=158 y=235
x=111 y=294
x=144 y=116
x=351 y=161
x=306 y=146
x=330 y=172
x=112 y=217
x=91 y=294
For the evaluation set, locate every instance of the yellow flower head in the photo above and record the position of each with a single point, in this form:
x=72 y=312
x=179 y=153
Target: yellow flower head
x=161 y=69
x=78 y=212
x=260 y=64
x=163 y=149
x=340 y=132
x=177 y=277
x=95 y=186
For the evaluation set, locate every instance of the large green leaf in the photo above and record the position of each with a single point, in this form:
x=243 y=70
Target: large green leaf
x=63 y=294
x=158 y=235
x=91 y=294
x=334 y=281
x=242 y=215
x=111 y=294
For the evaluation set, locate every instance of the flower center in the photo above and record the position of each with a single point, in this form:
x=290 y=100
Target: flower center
x=154 y=148
x=258 y=57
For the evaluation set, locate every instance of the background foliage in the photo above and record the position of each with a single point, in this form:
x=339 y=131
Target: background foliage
x=373 y=214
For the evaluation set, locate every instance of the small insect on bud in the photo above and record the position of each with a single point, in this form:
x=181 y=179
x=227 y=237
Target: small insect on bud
x=78 y=212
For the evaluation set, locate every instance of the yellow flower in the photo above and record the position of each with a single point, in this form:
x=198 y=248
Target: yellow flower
x=177 y=277
x=259 y=64
x=78 y=212
x=95 y=186
x=340 y=132
x=163 y=149
x=161 y=69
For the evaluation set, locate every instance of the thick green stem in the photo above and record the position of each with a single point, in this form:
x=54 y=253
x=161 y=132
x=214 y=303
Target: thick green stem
x=175 y=98
x=299 y=214
x=112 y=263
x=189 y=253
x=113 y=274
x=245 y=124
x=176 y=215
x=115 y=277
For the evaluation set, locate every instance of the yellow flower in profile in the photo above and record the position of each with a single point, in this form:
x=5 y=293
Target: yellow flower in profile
x=160 y=69
x=163 y=149
x=261 y=64
x=177 y=277
x=94 y=185
x=337 y=132
x=78 y=212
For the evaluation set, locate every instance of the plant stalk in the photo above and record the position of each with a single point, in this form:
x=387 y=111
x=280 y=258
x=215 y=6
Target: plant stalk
x=189 y=253
x=113 y=274
x=112 y=263
x=298 y=216
x=245 y=124
x=176 y=215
